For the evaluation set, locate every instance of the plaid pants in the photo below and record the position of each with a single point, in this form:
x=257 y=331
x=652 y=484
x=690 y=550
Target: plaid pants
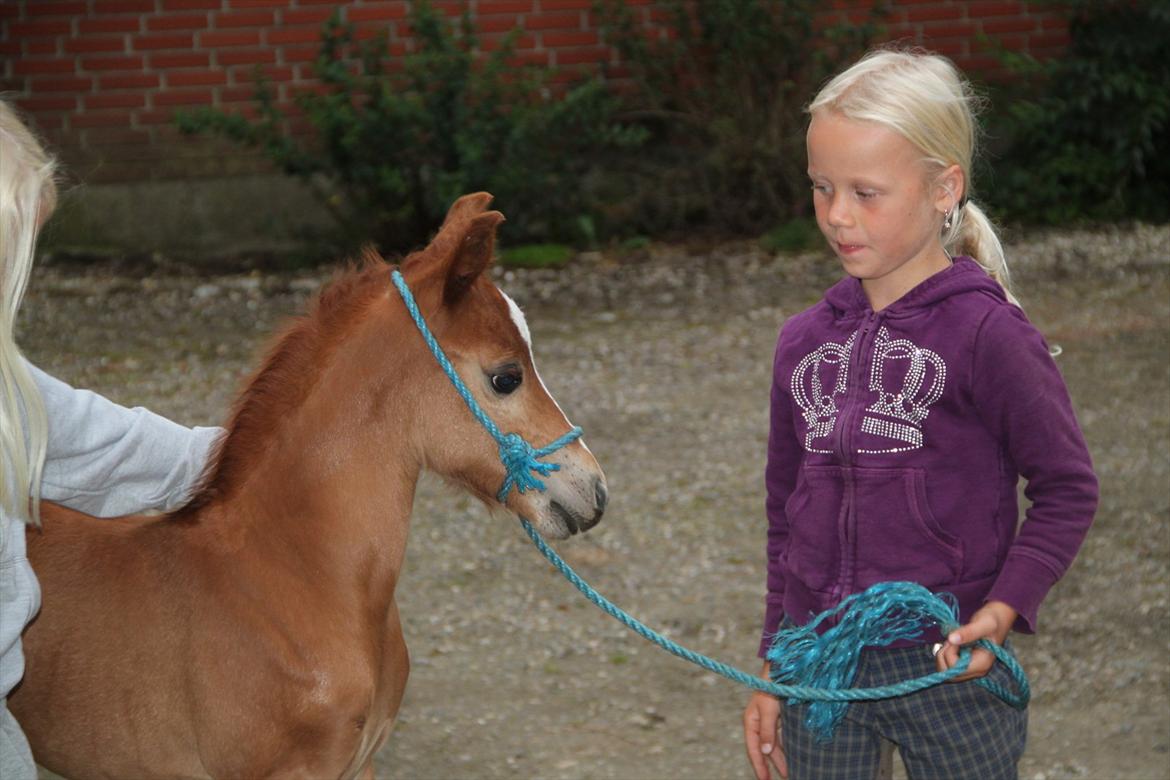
x=948 y=732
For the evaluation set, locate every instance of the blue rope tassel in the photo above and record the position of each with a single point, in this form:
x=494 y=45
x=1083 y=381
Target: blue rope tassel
x=806 y=666
x=885 y=613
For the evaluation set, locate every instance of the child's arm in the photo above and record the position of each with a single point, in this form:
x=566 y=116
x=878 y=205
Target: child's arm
x=106 y=460
x=1021 y=397
x=761 y=717
x=784 y=454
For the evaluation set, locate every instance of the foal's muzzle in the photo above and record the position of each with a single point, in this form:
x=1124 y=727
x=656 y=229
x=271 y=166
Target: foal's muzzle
x=575 y=522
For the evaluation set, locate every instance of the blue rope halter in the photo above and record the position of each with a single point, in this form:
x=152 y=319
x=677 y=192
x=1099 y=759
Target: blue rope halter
x=518 y=456
x=806 y=666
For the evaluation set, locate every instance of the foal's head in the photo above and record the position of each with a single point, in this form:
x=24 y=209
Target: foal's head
x=350 y=395
x=485 y=336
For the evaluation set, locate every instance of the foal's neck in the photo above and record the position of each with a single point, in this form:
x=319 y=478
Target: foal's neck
x=340 y=498
x=331 y=487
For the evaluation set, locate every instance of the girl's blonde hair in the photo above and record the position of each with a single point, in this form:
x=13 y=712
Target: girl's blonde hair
x=28 y=194
x=924 y=98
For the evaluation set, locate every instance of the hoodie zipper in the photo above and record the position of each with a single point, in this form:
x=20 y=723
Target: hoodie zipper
x=847 y=530
x=844 y=439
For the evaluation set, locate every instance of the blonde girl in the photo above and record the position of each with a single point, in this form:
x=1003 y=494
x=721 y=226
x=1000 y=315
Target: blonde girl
x=906 y=406
x=57 y=443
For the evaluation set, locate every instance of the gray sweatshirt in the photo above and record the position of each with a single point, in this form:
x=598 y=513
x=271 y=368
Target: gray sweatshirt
x=102 y=459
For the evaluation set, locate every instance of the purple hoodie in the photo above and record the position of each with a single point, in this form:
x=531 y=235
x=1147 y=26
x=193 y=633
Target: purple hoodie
x=896 y=443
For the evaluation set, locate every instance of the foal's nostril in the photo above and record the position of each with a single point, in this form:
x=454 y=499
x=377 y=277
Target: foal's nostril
x=601 y=497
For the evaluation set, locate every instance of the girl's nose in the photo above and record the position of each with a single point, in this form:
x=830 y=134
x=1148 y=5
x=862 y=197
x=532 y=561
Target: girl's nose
x=838 y=211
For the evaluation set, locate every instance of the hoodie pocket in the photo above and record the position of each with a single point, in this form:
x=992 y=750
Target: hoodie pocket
x=816 y=513
x=897 y=536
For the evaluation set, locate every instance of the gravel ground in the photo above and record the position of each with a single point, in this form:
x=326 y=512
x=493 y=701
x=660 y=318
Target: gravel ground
x=663 y=356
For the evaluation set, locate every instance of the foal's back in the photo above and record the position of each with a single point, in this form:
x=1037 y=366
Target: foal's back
x=226 y=657
x=68 y=645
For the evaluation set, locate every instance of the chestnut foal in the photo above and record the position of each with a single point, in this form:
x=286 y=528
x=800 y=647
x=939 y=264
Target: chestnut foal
x=254 y=632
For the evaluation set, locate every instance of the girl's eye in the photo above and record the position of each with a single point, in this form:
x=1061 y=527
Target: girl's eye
x=506 y=382
x=866 y=194
x=821 y=188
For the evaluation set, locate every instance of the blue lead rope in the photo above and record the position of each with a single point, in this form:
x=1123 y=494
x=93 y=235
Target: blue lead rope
x=806 y=666
x=818 y=669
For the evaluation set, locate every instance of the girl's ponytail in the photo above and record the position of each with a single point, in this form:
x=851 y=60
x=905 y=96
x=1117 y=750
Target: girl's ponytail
x=972 y=234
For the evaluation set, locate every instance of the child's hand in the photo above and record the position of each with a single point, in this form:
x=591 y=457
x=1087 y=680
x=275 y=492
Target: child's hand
x=993 y=622
x=761 y=733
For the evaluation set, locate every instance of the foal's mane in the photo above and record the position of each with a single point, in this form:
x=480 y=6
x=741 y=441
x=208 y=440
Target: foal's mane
x=287 y=373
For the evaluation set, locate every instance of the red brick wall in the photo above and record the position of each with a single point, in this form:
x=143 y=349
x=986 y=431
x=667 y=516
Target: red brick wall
x=102 y=78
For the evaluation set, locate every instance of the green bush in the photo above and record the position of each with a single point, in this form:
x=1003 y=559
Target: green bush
x=389 y=150
x=723 y=92
x=1089 y=139
x=536 y=256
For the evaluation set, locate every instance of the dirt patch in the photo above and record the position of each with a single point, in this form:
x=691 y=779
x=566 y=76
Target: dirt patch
x=665 y=362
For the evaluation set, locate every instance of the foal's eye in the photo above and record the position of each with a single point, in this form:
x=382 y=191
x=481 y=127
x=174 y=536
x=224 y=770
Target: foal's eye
x=506 y=382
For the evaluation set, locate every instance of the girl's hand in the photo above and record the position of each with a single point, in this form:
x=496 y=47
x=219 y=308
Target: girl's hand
x=761 y=733
x=993 y=622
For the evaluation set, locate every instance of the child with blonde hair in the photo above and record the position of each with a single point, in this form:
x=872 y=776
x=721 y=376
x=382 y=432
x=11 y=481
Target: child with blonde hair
x=906 y=405
x=57 y=443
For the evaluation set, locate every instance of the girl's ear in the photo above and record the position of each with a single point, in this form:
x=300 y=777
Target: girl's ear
x=951 y=186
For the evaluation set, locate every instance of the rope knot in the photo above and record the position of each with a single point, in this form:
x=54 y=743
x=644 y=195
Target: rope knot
x=519 y=459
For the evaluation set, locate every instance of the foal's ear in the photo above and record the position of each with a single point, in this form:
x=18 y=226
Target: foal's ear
x=466 y=206
x=472 y=255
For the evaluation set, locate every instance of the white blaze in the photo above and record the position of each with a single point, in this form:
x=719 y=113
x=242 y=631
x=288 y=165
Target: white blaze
x=518 y=318
x=522 y=326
